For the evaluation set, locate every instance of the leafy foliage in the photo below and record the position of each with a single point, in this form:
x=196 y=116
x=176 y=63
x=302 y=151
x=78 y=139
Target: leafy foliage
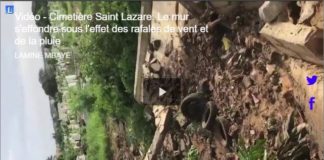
x=68 y=153
x=48 y=81
x=58 y=135
x=41 y=8
x=255 y=152
x=140 y=132
x=192 y=154
x=106 y=62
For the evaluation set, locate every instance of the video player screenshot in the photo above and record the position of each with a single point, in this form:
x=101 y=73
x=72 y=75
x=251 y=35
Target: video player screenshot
x=162 y=80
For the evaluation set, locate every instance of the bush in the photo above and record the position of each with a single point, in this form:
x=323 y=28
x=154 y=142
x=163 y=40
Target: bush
x=139 y=131
x=80 y=99
x=68 y=153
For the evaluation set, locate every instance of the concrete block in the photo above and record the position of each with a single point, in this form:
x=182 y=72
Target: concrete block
x=270 y=10
x=299 y=41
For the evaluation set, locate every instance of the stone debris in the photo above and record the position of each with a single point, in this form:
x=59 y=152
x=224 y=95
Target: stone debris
x=307 y=10
x=148 y=57
x=146 y=71
x=270 y=10
x=155 y=67
x=152 y=67
x=247 y=80
x=168 y=48
x=154 y=60
x=298 y=41
x=270 y=68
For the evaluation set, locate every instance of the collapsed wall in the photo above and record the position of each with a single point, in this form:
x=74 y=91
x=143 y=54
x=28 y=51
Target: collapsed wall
x=302 y=43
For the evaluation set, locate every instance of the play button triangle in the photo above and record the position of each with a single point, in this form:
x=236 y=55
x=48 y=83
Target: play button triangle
x=161 y=91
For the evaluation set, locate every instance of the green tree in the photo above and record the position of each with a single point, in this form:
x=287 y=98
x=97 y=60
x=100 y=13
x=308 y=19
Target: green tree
x=48 y=81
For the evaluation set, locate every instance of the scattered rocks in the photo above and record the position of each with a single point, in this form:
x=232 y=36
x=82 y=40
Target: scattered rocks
x=155 y=67
x=270 y=10
x=168 y=48
x=233 y=130
x=255 y=99
x=146 y=71
x=182 y=145
x=153 y=60
x=154 y=75
x=181 y=119
x=252 y=132
x=307 y=10
x=148 y=57
x=270 y=68
x=242 y=51
x=247 y=81
x=152 y=67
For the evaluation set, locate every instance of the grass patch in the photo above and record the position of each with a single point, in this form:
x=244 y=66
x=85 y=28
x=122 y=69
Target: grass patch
x=96 y=138
x=255 y=152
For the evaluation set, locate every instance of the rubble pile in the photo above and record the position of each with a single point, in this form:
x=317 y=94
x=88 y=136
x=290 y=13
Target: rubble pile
x=246 y=80
x=152 y=67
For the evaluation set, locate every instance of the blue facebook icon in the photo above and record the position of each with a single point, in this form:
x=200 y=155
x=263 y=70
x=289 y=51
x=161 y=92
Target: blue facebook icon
x=9 y=9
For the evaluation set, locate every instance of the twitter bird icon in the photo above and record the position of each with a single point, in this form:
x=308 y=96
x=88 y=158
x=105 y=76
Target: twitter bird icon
x=311 y=80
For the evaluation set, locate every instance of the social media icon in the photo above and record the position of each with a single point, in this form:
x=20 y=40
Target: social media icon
x=311 y=103
x=311 y=80
x=10 y=9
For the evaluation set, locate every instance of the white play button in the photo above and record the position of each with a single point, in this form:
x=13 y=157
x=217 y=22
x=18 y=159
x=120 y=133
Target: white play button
x=161 y=91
